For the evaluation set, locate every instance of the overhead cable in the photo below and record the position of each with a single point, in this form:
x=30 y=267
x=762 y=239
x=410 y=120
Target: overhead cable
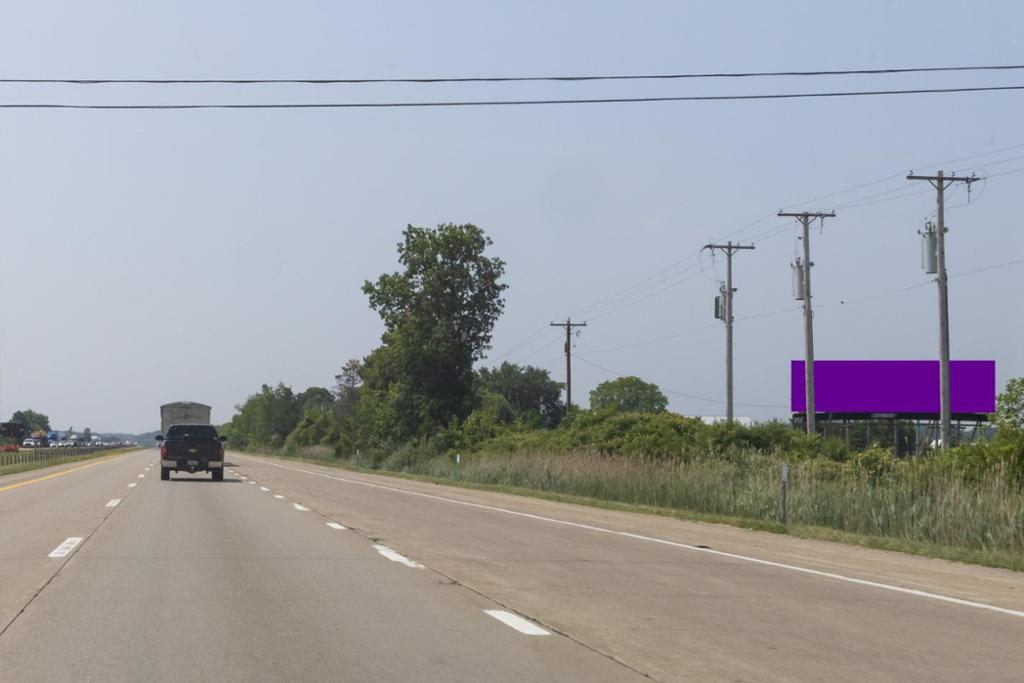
x=505 y=103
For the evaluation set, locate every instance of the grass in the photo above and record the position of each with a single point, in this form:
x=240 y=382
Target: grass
x=913 y=507
x=29 y=466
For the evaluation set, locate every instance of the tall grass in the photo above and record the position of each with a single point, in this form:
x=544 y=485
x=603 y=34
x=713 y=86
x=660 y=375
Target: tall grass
x=915 y=500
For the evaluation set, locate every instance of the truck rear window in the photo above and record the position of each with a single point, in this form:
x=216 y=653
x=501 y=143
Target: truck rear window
x=191 y=432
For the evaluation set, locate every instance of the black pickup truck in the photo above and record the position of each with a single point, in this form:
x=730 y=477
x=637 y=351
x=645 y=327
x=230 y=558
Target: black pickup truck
x=191 y=448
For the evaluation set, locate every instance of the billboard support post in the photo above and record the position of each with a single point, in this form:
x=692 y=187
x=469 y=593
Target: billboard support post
x=805 y=218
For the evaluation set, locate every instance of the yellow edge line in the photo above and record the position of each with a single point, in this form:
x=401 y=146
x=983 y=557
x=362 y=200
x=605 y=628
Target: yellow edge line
x=61 y=473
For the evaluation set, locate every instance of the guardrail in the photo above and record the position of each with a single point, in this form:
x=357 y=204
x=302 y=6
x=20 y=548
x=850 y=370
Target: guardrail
x=44 y=454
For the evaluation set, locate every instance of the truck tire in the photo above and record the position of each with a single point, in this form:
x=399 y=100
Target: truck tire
x=165 y=474
x=218 y=475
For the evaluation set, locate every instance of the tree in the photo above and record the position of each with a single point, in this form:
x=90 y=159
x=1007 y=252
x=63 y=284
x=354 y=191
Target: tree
x=346 y=387
x=438 y=315
x=1010 y=405
x=530 y=391
x=266 y=418
x=31 y=421
x=628 y=395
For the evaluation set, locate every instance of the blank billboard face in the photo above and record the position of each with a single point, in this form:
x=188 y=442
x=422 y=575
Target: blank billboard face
x=894 y=386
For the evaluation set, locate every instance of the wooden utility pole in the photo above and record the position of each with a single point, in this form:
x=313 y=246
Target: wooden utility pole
x=940 y=181
x=805 y=218
x=568 y=325
x=728 y=249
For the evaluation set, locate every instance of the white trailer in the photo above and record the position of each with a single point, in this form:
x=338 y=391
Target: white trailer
x=183 y=412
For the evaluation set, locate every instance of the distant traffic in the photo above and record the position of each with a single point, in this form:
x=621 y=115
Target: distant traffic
x=72 y=440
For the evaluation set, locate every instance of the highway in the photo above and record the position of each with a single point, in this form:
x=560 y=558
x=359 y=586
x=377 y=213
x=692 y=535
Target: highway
x=300 y=572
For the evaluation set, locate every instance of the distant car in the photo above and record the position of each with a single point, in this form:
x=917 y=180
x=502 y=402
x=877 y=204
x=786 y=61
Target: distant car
x=30 y=443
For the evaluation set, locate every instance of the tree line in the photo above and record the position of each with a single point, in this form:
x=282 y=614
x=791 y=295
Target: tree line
x=421 y=384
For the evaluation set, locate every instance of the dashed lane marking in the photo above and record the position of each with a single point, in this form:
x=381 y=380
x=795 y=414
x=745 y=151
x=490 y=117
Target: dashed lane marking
x=300 y=508
x=278 y=496
x=133 y=484
x=396 y=556
x=113 y=503
x=517 y=622
x=335 y=525
x=264 y=489
x=66 y=547
x=685 y=546
x=142 y=476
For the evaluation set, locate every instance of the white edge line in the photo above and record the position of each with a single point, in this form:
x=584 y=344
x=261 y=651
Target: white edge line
x=517 y=622
x=65 y=548
x=335 y=525
x=396 y=556
x=803 y=570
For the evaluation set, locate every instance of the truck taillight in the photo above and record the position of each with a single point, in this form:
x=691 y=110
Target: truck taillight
x=163 y=450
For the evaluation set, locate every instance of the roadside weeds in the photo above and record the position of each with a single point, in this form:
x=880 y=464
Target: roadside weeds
x=986 y=558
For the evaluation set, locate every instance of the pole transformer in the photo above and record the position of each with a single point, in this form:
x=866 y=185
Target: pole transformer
x=805 y=218
x=728 y=249
x=940 y=182
x=568 y=325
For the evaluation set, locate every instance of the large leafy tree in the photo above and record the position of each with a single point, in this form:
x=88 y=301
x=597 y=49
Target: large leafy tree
x=530 y=391
x=266 y=418
x=31 y=420
x=438 y=313
x=628 y=395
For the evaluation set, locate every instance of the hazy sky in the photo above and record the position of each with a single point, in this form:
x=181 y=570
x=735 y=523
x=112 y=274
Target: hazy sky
x=193 y=255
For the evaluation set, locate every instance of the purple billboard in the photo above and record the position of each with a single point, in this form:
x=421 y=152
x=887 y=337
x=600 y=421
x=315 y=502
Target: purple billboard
x=894 y=386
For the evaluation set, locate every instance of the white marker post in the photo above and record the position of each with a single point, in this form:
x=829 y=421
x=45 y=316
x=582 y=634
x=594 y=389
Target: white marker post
x=785 y=486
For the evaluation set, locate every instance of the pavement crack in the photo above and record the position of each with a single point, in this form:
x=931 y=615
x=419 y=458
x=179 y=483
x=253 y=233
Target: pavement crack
x=65 y=563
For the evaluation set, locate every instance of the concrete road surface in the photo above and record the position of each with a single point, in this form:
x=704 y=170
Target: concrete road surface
x=298 y=572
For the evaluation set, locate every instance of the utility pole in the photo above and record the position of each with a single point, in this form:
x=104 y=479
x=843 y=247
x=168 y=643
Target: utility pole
x=940 y=181
x=728 y=249
x=568 y=325
x=805 y=218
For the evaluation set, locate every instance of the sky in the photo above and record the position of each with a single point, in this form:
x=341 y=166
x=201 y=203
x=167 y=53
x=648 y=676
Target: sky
x=155 y=256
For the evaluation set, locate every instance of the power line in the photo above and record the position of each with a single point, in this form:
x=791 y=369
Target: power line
x=623 y=298
x=627 y=292
x=525 y=342
x=508 y=103
x=680 y=393
x=506 y=79
x=653 y=294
